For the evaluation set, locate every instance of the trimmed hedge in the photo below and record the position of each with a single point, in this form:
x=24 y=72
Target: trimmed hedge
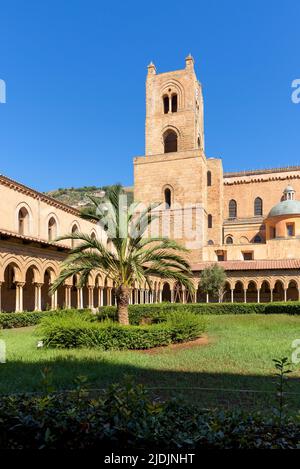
x=154 y=311
x=78 y=331
x=14 y=320
x=125 y=418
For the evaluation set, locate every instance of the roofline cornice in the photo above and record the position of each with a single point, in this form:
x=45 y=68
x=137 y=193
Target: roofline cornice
x=17 y=186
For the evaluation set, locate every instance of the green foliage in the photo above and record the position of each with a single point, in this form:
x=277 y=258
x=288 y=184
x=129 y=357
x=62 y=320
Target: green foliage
x=14 y=320
x=83 y=331
x=125 y=417
x=212 y=280
x=283 y=369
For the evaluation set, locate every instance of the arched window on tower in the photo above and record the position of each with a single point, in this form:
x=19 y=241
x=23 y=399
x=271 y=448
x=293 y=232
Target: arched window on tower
x=23 y=221
x=74 y=231
x=209 y=221
x=168 y=198
x=52 y=229
x=208 y=178
x=174 y=103
x=166 y=104
x=258 y=207
x=170 y=141
x=232 y=209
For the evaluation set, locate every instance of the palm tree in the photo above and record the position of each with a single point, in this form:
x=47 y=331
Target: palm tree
x=131 y=257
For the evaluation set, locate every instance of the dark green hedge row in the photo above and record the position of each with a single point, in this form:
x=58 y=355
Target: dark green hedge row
x=13 y=320
x=79 y=330
x=153 y=311
x=125 y=418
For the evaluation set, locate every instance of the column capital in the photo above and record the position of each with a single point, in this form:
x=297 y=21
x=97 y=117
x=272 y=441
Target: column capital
x=20 y=284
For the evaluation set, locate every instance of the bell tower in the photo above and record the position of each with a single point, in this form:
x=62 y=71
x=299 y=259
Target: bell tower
x=173 y=171
x=174 y=111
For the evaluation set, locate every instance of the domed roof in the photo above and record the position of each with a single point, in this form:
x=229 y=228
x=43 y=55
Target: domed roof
x=288 y=189
x=286 y=207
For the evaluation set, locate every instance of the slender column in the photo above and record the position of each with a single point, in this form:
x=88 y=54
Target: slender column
x=141 y=296
x=232 y=296
x=271 y=295
x=19 y=297
x=54 y=300
x=68 y=296
x=109 y=296
x=160 y=296
x=0 y=297
x=258 y=295
x=172 y=295
x=207 y=298
x=245 y=296
x=195 y=297
x=285 y=294
x=79 y=298
x=38 y=297
x=100 y=296
x=91 y=297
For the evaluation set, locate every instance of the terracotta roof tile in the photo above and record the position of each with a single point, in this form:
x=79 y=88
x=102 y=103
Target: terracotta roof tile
x=252 y=265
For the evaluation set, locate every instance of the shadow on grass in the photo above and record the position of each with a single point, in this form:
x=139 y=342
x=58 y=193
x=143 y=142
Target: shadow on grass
x=219 y=389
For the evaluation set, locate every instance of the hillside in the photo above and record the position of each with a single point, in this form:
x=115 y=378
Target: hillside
x=77 y=196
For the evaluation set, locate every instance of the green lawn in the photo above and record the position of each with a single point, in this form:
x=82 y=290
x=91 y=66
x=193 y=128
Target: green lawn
x=238 y=356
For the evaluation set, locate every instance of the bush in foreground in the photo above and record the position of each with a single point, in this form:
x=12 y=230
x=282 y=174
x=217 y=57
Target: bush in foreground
x=125 y=417
x=79 y=330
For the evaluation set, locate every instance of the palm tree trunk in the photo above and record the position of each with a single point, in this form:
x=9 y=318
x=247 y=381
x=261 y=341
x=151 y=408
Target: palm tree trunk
x=122 y=295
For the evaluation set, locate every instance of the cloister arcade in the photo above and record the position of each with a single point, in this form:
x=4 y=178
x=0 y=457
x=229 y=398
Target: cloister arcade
x=26 y=288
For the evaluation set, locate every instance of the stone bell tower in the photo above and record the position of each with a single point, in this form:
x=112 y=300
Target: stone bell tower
x=174 y=103
x=173 y=171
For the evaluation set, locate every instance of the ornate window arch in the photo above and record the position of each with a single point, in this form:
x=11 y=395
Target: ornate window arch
x=172 y=93
x=23 y=219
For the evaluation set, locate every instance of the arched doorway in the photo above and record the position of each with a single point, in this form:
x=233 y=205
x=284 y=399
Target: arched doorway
x=278 y=292
x=252 y=292
x=265 y=292
x=238 y=292
x=29 y=290
x=8 y=289
x=292 y=291
x=46 y=297
x=227 y=293
x=166 y=292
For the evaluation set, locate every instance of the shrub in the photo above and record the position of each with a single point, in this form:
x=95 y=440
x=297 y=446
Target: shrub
x=126 y=418
x=79 y=331
x=14 y=320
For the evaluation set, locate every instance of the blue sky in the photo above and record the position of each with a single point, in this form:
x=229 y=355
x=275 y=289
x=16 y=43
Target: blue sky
x=75 y=74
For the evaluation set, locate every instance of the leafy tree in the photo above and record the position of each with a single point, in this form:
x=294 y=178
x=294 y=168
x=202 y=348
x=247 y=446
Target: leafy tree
x=131 y=256
x=212 y=281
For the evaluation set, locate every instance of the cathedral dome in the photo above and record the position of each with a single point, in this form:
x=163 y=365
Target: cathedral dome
x=286 y=207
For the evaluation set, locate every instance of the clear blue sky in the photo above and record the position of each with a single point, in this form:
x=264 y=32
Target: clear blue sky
x=75 y=74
